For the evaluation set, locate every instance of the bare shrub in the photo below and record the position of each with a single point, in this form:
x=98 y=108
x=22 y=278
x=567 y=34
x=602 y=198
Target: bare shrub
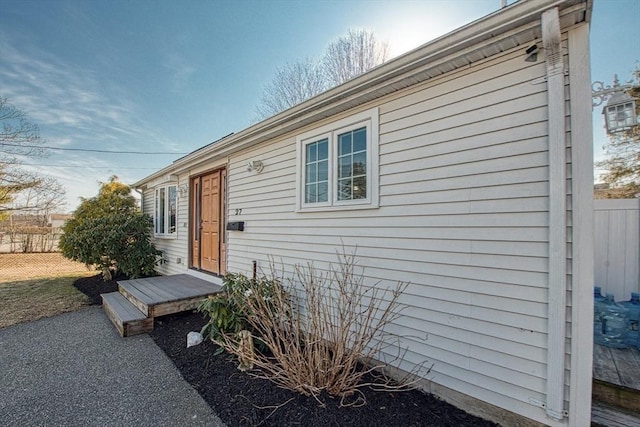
x=324 y=332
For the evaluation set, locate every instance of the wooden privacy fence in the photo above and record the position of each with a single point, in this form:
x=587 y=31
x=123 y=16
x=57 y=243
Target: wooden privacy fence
x=617 y=246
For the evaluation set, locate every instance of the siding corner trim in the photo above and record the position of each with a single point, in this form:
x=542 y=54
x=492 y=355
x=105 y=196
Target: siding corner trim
x=557 y=281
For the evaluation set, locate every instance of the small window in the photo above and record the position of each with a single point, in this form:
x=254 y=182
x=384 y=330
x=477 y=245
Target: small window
x=352 y=165
x=165 y=216
x=317 y=172
x=338 y=165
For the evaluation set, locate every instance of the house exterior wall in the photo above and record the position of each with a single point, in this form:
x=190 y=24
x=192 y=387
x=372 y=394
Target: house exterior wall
x=176 y=247
x=484 y=209
x=463 y=218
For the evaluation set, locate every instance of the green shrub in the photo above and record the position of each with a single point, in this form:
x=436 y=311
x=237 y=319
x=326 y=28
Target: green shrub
x=110 y=232
x=229 y=310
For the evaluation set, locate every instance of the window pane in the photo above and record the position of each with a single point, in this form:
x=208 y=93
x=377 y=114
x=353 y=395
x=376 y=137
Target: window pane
x=323 y=149
x=626 y=114
x=611 y=113
x=360 y=164
x=156 y=215
x=344 y=143
x=311 y=173
x=344 y=167
x=352 y=165
x=359 y=187
x=323 y=191
x=360 y=140
x=172 y=208
x=161 y=211
x=316 y=171
x=323 y=170
x=310 y=193
x=344 y=189
x=311 y=153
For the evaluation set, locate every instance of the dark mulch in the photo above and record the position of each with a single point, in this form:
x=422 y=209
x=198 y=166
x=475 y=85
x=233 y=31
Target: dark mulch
x=242 y=400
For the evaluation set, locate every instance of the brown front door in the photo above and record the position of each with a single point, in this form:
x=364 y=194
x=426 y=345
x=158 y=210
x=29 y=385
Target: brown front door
x=207 y=242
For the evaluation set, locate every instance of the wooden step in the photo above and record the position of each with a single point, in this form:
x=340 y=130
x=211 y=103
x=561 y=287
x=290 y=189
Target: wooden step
x=162 y=295
x=125 y=316
x=622 y=397
x=616 y=377
x=138 y=299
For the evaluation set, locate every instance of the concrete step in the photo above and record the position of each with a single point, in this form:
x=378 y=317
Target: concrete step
x=125 y=316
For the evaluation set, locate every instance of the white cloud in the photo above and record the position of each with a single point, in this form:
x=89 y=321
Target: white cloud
x=70 y=101
x=76 y=109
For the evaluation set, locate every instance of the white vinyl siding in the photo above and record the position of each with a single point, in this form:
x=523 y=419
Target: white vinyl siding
x=463 y=218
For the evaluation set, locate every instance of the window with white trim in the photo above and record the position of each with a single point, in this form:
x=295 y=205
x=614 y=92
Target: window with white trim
x=165 y=217
x=338 y=165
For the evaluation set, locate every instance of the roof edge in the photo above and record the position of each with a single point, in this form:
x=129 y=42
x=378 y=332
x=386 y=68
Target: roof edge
x=489 y=27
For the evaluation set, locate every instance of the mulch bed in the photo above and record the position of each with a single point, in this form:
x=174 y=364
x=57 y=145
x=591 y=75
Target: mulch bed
x=242 y=400
x=93 y=286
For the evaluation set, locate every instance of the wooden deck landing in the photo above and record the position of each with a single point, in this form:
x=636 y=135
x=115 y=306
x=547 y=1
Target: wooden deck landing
x=616 y=377
x=133 y=308
x=158 y=296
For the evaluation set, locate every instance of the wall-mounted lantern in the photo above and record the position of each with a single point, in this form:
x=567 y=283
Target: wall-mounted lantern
x=620 y=111
x=255 y=165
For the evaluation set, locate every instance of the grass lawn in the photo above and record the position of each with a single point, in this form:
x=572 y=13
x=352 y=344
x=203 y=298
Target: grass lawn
x=33 y=286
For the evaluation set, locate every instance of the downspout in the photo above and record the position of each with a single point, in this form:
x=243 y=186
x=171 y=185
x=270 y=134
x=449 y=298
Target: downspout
x=557 y=285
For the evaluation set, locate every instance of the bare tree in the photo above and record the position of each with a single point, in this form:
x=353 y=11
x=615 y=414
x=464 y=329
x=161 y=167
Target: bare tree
x=293 y=83
x=18 y=135
x=345 y=58
x=353 y=54
x=21 y=189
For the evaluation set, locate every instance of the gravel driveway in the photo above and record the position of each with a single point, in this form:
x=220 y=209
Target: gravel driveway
x=75 y=370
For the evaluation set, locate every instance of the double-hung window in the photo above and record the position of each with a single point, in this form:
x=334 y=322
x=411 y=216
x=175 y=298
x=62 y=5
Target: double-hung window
x=165 y=216
x=338 y=165
x=316 y=164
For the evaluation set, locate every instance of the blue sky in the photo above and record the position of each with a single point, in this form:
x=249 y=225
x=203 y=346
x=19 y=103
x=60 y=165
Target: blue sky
x=171 y=76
